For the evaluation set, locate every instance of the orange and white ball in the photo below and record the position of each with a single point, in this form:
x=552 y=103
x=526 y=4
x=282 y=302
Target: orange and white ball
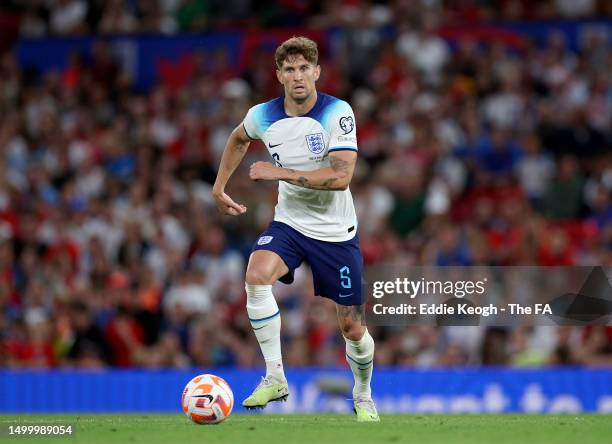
x=207 y=399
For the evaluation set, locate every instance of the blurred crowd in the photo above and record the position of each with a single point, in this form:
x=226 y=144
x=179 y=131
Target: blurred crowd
x=38 y=18
x=112 y=251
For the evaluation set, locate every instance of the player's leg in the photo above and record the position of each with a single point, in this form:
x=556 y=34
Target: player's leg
x=274 y=257
x=360 y=357
x=337 y=269
x=264 y=269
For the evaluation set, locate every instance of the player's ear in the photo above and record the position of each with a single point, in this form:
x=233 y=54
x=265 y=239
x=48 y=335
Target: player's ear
x=279 y=76
x=317 y=72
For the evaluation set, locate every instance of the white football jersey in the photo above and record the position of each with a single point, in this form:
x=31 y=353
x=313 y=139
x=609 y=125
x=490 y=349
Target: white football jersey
x=303 y=143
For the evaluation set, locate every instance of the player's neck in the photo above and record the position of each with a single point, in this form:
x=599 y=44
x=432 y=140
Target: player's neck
x=294 y=109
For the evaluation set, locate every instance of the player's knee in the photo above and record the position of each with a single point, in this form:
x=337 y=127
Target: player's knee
x=351 y=329
x=259 y=276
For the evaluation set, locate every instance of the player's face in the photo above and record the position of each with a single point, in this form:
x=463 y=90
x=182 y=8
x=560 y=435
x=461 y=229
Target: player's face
x=298 y=76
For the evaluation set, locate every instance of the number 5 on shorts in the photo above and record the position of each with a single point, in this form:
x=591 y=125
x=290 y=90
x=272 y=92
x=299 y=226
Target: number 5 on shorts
x=345 y=280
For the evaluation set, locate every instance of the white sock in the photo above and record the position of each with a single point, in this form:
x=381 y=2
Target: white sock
x=360 y=357
x=266 y=322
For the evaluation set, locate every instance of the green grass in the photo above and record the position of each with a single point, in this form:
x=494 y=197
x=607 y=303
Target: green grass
x=325 y=428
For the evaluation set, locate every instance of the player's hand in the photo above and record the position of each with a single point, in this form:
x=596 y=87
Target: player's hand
x=263 y=171
x=227 y=206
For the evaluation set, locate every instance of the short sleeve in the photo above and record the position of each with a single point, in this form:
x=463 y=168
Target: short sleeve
x=342 y=128
x=252 y=123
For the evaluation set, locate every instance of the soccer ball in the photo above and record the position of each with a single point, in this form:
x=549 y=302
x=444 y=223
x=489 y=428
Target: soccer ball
x=207 y=399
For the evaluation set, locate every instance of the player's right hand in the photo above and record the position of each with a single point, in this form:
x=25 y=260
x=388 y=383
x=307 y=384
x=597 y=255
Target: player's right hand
x=227 y=206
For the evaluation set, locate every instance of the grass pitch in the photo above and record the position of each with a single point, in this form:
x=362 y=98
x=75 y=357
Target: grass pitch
x=322 y=429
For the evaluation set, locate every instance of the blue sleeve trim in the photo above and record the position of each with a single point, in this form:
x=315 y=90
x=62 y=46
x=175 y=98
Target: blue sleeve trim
x=247 y=133
x=342 y=148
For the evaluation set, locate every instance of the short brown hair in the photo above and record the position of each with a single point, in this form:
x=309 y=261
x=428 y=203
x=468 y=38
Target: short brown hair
x=297 y=46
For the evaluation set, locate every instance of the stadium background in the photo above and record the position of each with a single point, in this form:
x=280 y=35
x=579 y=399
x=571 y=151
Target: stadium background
x=484 y=132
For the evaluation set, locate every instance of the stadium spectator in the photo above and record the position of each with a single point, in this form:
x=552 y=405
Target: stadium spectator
x=472 y=152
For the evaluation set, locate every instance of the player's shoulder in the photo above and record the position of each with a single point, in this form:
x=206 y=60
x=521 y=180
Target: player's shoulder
x=269 y=108
x=331 y=109
x=270 y=104
x=266 y=113
x=331 y=102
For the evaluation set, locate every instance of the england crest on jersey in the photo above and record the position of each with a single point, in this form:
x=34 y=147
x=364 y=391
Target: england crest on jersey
x=315 y=142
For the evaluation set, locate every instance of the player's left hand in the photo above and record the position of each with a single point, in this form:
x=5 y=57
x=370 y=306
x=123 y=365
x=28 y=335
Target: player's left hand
x=264 y=171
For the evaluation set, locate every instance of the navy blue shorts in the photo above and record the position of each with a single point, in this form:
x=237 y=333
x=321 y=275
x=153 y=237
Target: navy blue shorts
x=337 y=267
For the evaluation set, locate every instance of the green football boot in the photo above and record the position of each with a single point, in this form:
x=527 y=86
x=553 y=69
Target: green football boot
x=365 y=410
x=269 y=389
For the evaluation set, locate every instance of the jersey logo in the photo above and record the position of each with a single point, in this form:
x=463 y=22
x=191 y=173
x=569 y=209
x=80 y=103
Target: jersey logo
x=275 y=145
x=315 y=142
x=346 y=124
x=263 y=240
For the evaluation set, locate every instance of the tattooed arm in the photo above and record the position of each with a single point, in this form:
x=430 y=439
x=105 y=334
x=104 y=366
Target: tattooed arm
x=335 y=177
x=235 y=149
